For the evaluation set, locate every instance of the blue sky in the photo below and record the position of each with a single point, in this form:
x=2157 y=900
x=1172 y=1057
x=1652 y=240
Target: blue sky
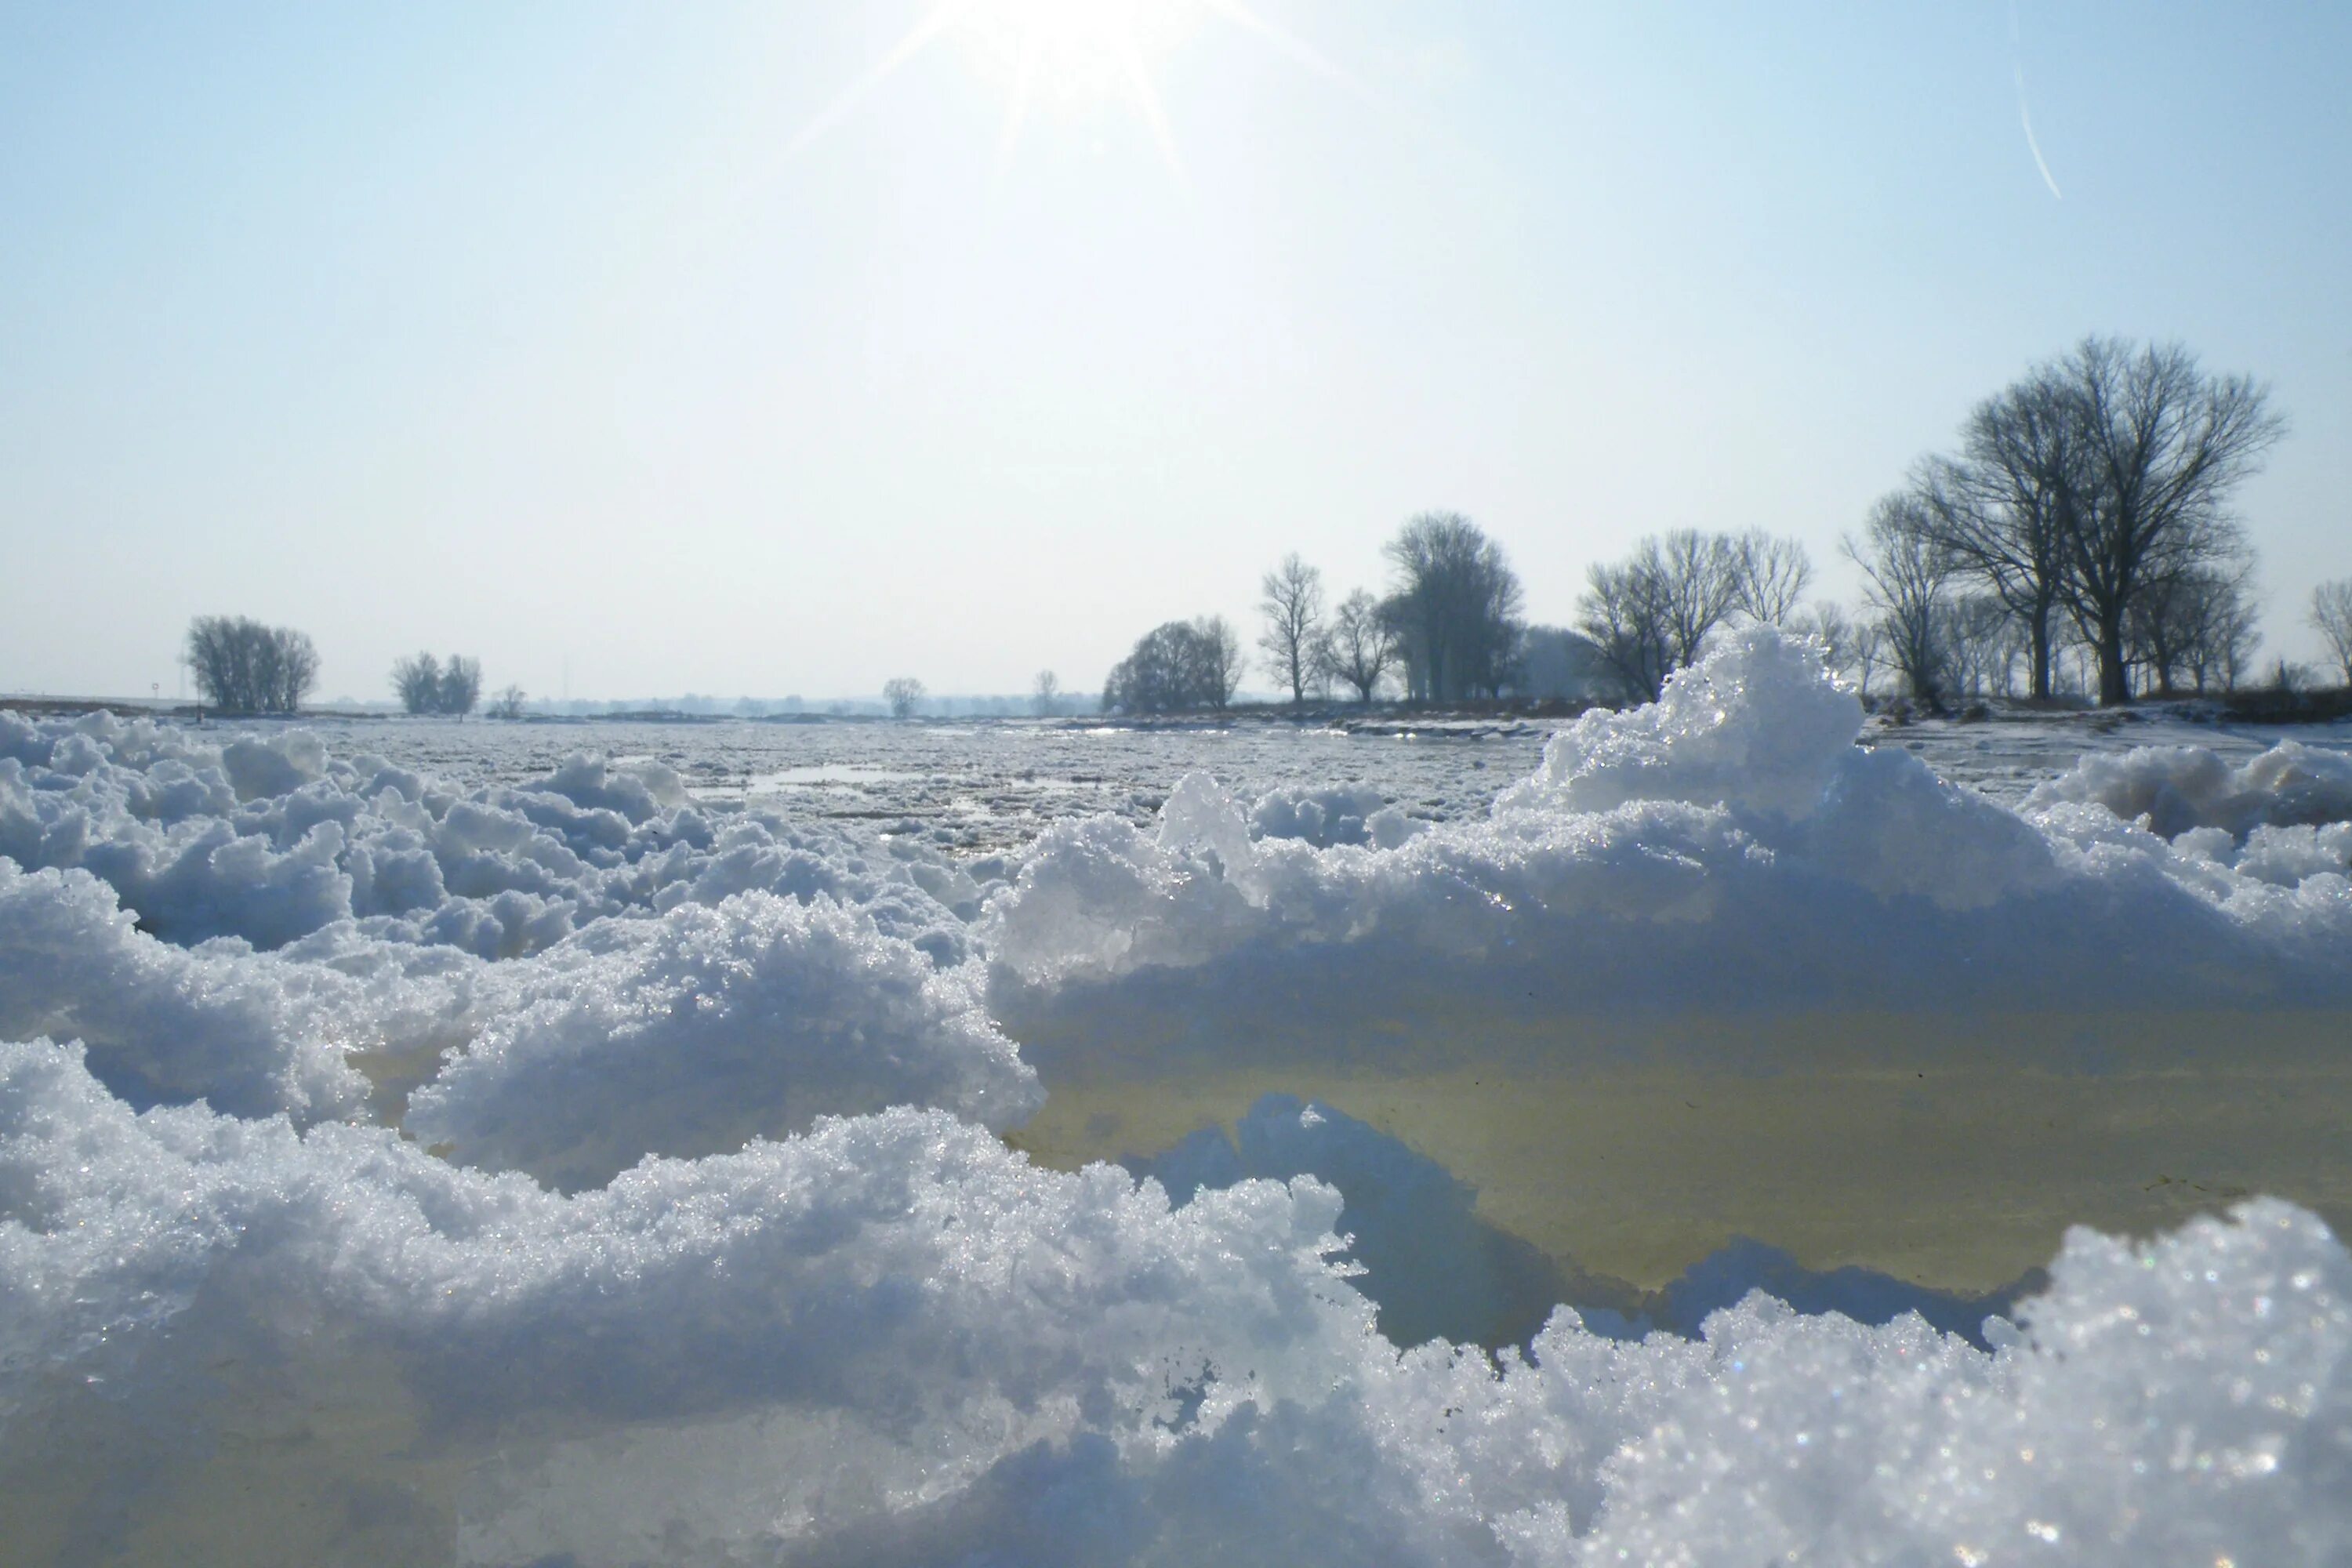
x=547 y=333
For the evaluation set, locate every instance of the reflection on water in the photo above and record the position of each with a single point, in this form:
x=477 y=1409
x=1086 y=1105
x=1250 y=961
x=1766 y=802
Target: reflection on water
x=1948 y=1151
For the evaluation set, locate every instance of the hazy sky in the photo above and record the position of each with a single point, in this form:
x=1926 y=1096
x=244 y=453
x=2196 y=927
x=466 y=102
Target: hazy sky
x=549 y=333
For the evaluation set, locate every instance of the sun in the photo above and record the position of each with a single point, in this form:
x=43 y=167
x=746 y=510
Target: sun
x=1068 y=58
x=1082 y=53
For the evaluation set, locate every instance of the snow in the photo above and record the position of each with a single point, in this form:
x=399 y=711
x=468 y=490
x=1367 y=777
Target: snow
x=2180 y=788
x=422 y=1142
x=1728 y=845
x=694 y=1033
x=892 y=1339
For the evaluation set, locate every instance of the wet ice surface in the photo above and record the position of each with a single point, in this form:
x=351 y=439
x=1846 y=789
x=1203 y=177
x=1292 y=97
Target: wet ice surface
x=419 y=1142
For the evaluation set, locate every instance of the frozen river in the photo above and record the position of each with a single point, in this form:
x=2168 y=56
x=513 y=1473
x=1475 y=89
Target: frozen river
x=839 y=1143
x=993 y=784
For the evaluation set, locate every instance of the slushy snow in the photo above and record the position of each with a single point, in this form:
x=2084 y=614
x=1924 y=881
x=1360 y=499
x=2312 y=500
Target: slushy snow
x=569 y=1171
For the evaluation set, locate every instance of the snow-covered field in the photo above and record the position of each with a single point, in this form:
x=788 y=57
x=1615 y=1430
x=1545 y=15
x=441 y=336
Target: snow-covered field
x=617 y=1144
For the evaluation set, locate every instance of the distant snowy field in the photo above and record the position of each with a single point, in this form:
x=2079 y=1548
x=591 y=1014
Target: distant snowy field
x=617 y=1144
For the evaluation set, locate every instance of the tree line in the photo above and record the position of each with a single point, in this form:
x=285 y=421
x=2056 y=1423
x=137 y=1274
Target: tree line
x=2084 y=511
x=1449 y=629
x=241 y=665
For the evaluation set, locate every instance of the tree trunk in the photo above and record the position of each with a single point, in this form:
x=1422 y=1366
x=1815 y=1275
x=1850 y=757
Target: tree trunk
x=2038 y=627
x=2114 y=675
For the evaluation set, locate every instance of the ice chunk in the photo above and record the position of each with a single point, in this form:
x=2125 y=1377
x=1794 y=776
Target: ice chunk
x=1336 y=813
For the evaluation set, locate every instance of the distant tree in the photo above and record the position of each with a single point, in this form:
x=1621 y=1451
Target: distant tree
x=1768 y=574
x=1045 y=694
x=1828 y=624
x=1291 y=598
x=1176 y=665
x=1995 y=513
x=508 y=704
x=1623 y=612
x=1153 y=678
x=2153 y=447
x=1701 y=576
x=1357 y=647
x=1556 y=664
x=425 y=685
x=904 y=693
x=1980 y=644
x=2331 y=616
x=416 y=682
x=243 y=666
x=1455 y=607
x=461 y=685
x=2097 y=485
x=1652 y=613
x=1869 y=647
x=1907 y=573
x=2193 y=627
x=1216 y=653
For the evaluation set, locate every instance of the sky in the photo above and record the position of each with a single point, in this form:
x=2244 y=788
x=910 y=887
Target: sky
x=784 y=348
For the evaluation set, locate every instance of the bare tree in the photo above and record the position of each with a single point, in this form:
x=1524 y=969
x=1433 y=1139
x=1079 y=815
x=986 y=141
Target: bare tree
x=417 y=683
x=1291 y=598
x=2331 y=616
x=1359 y=647
x=508 y=704
x=243 y=666
x=1905 y=571
x=1045 y=694
x=425 y=685
x=1768 y=576
x=1175 y=666
x=461 y=685
x=904 y=693
x=1699 y=573
x=1651 y=614
x=1997 y=512
x=1455 y=610
x=1623 y=611
x=1980 y=644
x=1828 y=624
x=1216 y=657
x=1869 y=649
x=2157 y=448
x=2186 y=626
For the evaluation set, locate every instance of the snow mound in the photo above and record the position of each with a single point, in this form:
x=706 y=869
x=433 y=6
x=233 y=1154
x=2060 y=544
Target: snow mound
x=1729 y=846
x=696 y=1032
x=1337 y=814
x=892 y=1340
x=253 y=1035
x=1758 y=724
x=271 y=839
x=2181 y=788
